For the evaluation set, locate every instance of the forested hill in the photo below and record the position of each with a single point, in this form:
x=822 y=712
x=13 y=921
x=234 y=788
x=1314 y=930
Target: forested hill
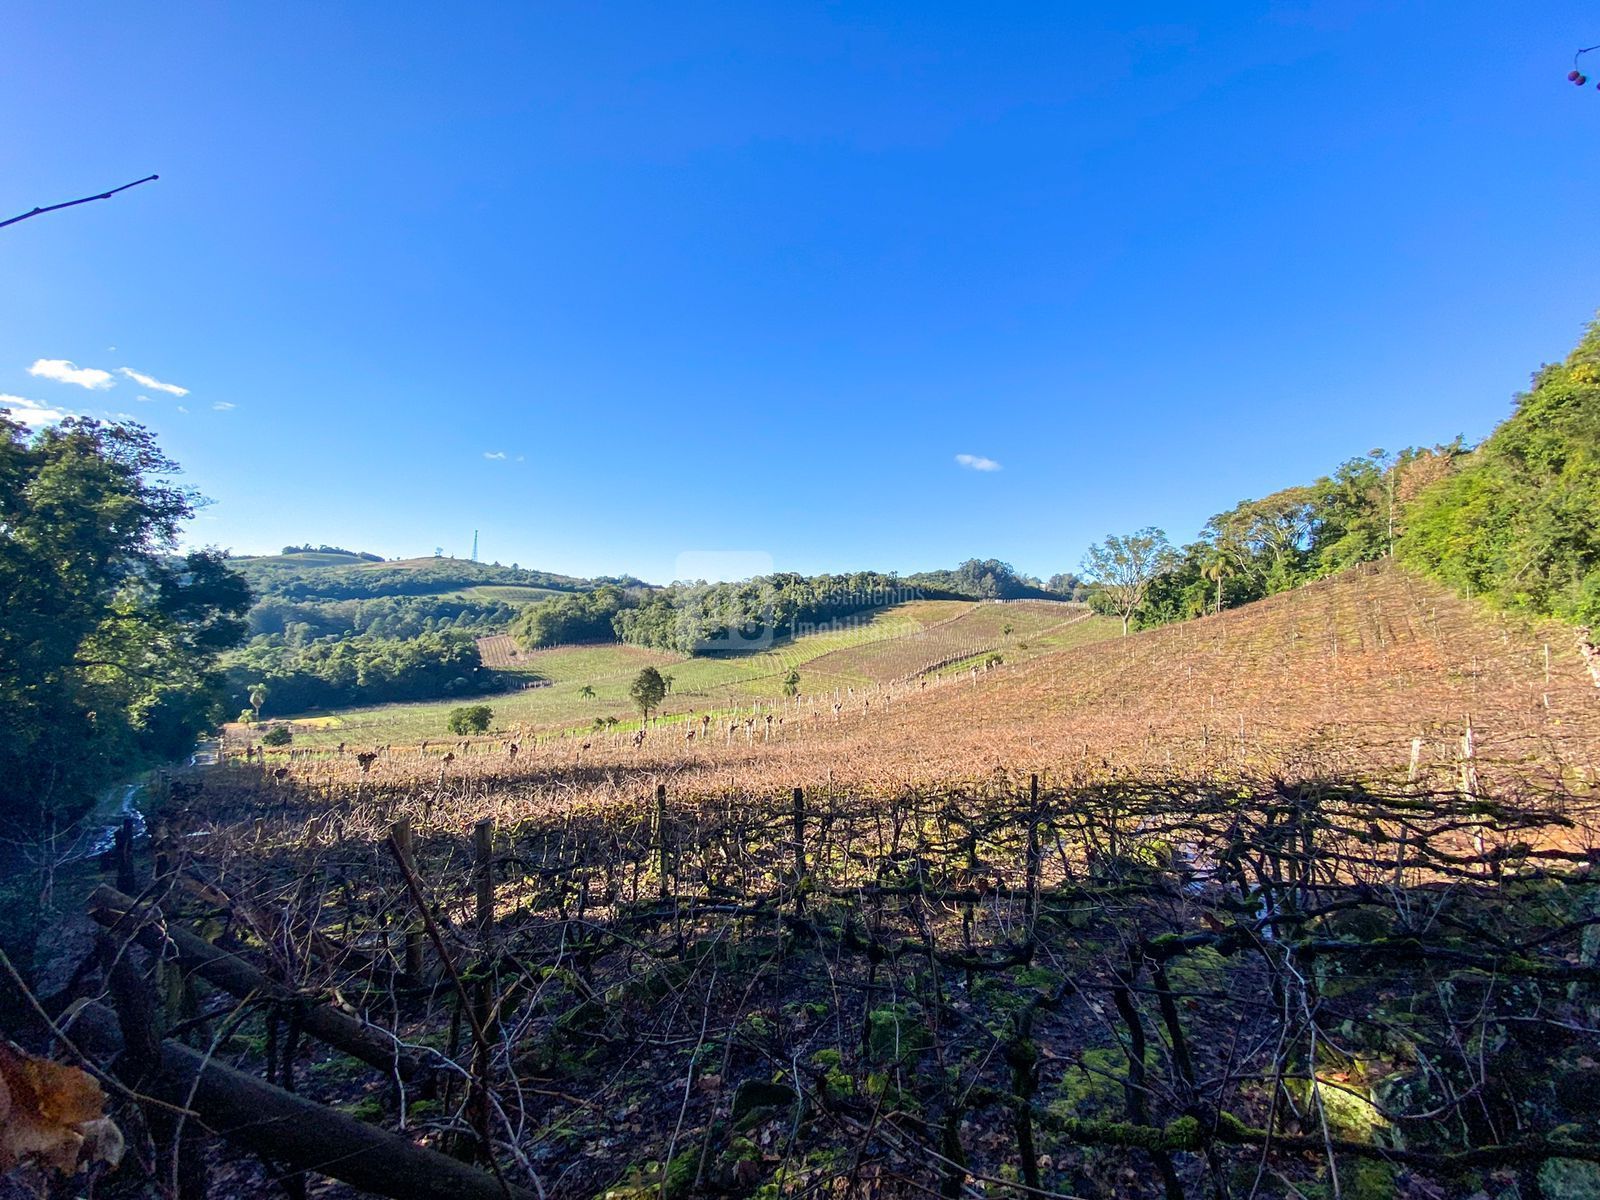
x=330 y=574
x=330 y=626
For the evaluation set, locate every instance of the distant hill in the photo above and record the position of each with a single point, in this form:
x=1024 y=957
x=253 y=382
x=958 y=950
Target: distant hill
x=330 y=574
x=334 y=626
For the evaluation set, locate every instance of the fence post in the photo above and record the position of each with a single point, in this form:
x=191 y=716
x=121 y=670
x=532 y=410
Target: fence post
x=412 y=935
x=1033 y=851
x=661 y=835
x=482 y=991
x=483 y=873
x=799 y=851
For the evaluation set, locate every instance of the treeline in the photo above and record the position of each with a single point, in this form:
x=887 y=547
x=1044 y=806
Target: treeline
x=371 y=632
x=1516 y=520
x=302 y=622
x=361 y=581
x=1261 y=547
x=708 y=618
x=308 y=548
x=700 y=617
x=991 y=579
x=581 y=617
x=356 y=670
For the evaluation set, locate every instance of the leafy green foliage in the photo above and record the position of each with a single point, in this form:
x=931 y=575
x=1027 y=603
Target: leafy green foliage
x=1260 y=547
x=1124 y=569
x=988 y=579
x=647 y=690
x=301 y=577
x=470 y=719
x=692 y=618
x=357 y=670
x=1518 y=522
x=300 y=622
x=561 y=620
x=108 y=646
x=278 y=735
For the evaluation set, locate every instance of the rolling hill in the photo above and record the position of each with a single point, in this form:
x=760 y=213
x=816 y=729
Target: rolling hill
x=891 y=644
x=1375 y=672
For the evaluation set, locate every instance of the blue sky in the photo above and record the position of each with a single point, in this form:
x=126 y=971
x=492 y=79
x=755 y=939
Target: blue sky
x=751 y=276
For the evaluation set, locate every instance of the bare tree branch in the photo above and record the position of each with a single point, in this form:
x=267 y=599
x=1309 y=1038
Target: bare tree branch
x=68 y=204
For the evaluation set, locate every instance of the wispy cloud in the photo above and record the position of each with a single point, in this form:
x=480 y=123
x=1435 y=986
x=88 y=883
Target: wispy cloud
x=977 y=462
x=224 y=406
x=30 y=412
x=154 y=385
x=495 y=455
x=63 y=371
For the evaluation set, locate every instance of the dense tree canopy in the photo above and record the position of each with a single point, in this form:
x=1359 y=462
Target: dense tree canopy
x=648 y=689
x=582 y=617
x=1519 y=522
x=299 y=622
x=982 y=579
x=357 y=670
x=108 y=642
x=692 y=618
x=1305 y=532
x=1513 y=521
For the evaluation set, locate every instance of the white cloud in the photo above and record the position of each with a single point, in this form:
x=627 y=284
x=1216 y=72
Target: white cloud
x=154 y=385
x=976 y=462
x=182 y=409
x=31 y=412
x=495 y=455
x=63 y=371
x=224 y=406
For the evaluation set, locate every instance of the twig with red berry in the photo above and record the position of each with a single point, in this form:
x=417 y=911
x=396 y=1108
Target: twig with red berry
x=1576 y=76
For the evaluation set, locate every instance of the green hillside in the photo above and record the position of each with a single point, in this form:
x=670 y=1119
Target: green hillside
x=331 y=627
x=885 y=646
x=1519 y=521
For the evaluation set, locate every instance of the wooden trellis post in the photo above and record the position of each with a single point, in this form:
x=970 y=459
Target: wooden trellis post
x=799 y=851
x=661 y=837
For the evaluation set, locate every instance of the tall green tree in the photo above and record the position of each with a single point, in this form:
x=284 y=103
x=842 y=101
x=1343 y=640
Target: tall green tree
x=648 y=689
x=1124 y=568
x=107 y=649
x=109 y=639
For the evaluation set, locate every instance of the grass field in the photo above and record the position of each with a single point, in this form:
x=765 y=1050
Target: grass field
x=505 y=593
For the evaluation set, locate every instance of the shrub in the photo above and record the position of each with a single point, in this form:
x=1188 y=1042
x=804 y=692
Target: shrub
x=278 y=735
x=470 y=718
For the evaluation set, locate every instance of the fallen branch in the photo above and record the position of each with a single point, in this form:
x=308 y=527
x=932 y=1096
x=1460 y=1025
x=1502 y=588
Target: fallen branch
x=234 y=975
x=298 y=1133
